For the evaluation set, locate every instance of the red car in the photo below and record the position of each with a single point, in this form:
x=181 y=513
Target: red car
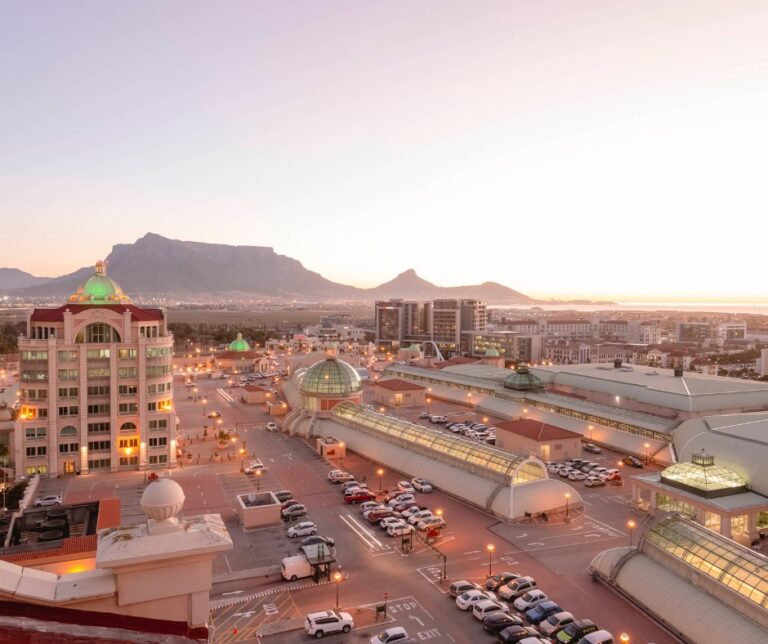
x=377 y=515
x=360 y=497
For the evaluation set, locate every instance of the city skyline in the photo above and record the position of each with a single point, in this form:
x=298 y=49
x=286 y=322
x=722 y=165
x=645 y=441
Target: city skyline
x=600 y=151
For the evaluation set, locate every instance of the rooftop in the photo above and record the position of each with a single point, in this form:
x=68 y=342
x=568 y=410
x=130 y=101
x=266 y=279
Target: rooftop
x=396 y=384
x=138 y=314
x=536 y=430
x=330 y=377
x=99 y=289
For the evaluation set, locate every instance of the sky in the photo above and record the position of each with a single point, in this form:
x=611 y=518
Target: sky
x=608 y=149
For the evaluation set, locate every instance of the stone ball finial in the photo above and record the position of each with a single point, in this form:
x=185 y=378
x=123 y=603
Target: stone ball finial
x=162 y=499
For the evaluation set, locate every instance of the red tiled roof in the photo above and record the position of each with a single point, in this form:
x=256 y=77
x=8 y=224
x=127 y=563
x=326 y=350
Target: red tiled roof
x=69 y=546
x=395 y=384
x=138 y=314
x=109 y=514
x=256 y=388
x=458 y=360
x=536 y=430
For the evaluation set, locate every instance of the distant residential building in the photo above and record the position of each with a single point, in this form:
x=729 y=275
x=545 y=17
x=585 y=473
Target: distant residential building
x=96 y=386
x=732 y=331
x=692 y=331
x=523 y=327
x=569 y=328
x=512 y=347
x=568 y=352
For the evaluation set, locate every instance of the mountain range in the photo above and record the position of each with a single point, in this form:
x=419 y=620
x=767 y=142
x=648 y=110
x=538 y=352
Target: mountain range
x=156 y=264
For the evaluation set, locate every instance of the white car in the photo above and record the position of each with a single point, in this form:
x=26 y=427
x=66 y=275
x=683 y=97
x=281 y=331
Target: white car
x=488 y=606
x=565 y=471
x=403 y=498
x=577 y=476
x=531 y=599
x=53 y=499
x=254 y=466
x=554 y=468
x=430 y=523
x=329 y=621
x=422 y=485
x=554 y=623
x=303 y=529
x=398 y=529
x=271 y=427
x=467 y=600
x=414 y=518
x=377 y=507
x=594 y=481
x=406 y=487
x=368 y=505
x=333 y=474
x=391 y=635
x=387 y=521
x=407 y=514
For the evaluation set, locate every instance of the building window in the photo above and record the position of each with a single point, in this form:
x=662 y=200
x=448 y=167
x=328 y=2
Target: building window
x=129 y=460
x=158 y=370
x=96 y=333
x=69 y=448
x=67 y=374
x=128 y=408
x=99 y=464
x=34 y=355
x=35 y=433
x=98 y=372
x=160 y=441
x=99 y=428
x=158 y=352
x=156 y=459
x=97 y=354
x=34 y=452
x=34 y=375
x=158 y=424
x=126 y=354
x=128 y=390
x=36 y=469
x=99 y=446
x=98 y=409
x=98 y=390
x=127 y=372
x=128 y=442
x=72 y=410
x=67 y=356
x=128 y=427
x=68 y=392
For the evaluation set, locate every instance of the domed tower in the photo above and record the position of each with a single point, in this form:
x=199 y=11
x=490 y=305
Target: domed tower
x=329 y=382
x=523 y=380
x=238 y=344
x=99 y=289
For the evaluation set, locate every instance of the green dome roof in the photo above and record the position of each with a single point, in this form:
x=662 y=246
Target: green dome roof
x=331 y=377
x=414 y=349
x=491 y=353
x=239 y=344
x=100 y=289
x=522 y=380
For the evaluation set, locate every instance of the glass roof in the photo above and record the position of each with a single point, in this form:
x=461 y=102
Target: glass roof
x=703 y=476
x=239 y=344
x=488 y=458
x=331 y=376
x=740 y=569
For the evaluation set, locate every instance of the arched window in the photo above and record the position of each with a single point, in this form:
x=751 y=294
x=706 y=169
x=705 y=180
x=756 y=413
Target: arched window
x=128 y=427
x=98 y=332
x=69 y=431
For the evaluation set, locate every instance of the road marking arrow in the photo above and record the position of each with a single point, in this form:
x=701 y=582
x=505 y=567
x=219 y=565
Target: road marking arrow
x=417 y=619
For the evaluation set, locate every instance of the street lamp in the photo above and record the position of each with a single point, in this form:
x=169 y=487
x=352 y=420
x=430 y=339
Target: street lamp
x=242 y=459
x=567 y=508
x=341 y=455
x=490 y=548
x=429 y=401
x=380 y=472
x=337 y=580
x=591 y=427
x=624 y=638
x=631 y=525
x=205 y=402
x=258 y=480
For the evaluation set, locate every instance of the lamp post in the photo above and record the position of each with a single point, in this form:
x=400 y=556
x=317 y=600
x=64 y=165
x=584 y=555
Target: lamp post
x=242 y=459
x=631 y=525
x=429 y=401
x=647 y=447
x=624 y=638
x=205 y=402
x=591 y=427
x=380 y=472
x=341 y=456
x=567 y=507
x=258 y=480
x=337 y=581
x=490 y=548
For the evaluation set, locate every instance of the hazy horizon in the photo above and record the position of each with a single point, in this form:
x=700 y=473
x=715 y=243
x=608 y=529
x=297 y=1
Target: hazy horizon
x=602 y=150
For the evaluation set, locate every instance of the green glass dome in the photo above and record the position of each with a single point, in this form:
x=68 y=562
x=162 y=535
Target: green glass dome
x=491 y=353
x=522 y=379
x=239 y=344
x=701 y=476
x=414 y=350
x=100 y=289
x=331 y=377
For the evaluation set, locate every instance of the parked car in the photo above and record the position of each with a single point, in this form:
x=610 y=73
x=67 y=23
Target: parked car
x=576 y=630
x=402 y=507
x=531 y=599
x=311 y=541
x=485 y=608
x=214 y=414
x=392 y=634
x=555 y=623
x=424 y=414
x=399 y=529
x=368 y=505
x=554 y=468
x=591 y=447
x=403 y=498
x=359 y=496
x=588 y=467
x=594 y=481
x=272 y=427
x=467 y=600
x=345 y=485
x=577 y=476
x=632 y=461
x=497 y=622
x=333 y=474
x=283 y=495
x=326 y=622
x=294 y=512
x=597 y=637
x=495 y=581
x=377 y=508
x=288 y=503
x=302 y=529
x=538 y=614
x=515 y=634
x=374 y=516
x=460 y=587
x=414 y=519
x=566 y=471
x=51 y=499
x=387 y=521
x=408 y=512
x=406 y=486
x=612 y=474
x=344 y=477
x=255 y=465
x=517 y=587
x=430 y=523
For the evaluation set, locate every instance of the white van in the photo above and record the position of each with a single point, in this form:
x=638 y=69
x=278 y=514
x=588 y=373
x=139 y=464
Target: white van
x=296 y=567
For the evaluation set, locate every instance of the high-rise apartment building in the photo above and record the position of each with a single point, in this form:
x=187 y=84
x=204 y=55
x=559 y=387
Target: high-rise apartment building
x=451 y=317
x=96 y=386
x=693 y=331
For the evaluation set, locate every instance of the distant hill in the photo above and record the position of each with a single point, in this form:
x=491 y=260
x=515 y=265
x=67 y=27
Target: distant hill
x=156 y=264
x=13 y=278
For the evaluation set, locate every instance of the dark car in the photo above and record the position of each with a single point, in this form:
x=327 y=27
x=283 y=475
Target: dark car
x=288 y=503
x=294 y=512
x=576 y=630
x=541 y=612
x=460 y=587
x=496 y=581
x=283 y=495
x=631 y=460
x=496 y=622
x=311 y=541
x=513 y=634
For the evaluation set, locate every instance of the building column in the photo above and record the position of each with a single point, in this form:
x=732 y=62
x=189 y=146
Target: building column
x=84 y=459
x=654 y=499
x=637 y=495
x=725 y=526
x=752 y=532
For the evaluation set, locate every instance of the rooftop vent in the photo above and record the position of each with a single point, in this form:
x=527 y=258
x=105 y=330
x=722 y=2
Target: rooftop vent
x=678 y=372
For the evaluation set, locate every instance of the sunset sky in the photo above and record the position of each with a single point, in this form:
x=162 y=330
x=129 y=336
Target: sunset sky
x=602 y=149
